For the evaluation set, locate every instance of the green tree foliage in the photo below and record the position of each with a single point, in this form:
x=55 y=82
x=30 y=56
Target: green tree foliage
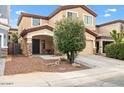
x=14 y=38
x=69 y=37
x=117 y=36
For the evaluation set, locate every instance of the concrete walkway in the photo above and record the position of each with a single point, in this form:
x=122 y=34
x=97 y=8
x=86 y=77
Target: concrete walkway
x=2 y=66
x=96 y=61
x=49 y=57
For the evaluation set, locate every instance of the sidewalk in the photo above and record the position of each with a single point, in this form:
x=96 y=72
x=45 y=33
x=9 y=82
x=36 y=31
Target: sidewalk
x=104 y=77
x=2 y=66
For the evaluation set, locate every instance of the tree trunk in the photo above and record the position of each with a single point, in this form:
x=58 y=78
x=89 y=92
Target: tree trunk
x=70 y=56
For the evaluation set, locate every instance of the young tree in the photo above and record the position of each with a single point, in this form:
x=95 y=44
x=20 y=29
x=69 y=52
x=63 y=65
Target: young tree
x=14 y=38
x=69 y=37
x=117 y=36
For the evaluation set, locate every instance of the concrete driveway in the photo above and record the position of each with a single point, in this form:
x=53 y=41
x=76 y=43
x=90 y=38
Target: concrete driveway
x=97 y=61
x=105 y=72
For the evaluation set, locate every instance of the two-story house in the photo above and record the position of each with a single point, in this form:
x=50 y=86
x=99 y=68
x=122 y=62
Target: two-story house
x=4 y=27
x=36 y=31
x=104 y=30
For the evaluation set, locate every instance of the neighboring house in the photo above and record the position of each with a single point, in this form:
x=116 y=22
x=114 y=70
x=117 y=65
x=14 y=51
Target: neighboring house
x=104 y=30
x=36 y=31
x=4 y=22
x=11 y=32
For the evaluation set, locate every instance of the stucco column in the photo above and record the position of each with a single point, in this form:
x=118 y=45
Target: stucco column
x=94 y=47
x=29 y=46
x=100 y=46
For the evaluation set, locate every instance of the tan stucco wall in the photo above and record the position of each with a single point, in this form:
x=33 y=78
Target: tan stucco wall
x=81 y=12
x=23 y=46
x=90 y=45
x=105 y=30
x=88 y=49
x=57 y=17
x=39 y=32
x=26 y=23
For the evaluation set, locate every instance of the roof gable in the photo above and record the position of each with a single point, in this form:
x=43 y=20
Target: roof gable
x=55 y=12
x=111 y=22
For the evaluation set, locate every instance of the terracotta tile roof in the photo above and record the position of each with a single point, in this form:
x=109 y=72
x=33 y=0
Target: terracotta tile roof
x=26 y=31
x=91 y=32
x=112 y=22
x=60 y=8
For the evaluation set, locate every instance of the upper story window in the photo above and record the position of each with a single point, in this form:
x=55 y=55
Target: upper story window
x=72 y=14
x=36 y=22
x=122 y=27
x=88 y=20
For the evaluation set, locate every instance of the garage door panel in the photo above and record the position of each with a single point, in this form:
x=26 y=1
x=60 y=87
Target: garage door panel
x=88 y=49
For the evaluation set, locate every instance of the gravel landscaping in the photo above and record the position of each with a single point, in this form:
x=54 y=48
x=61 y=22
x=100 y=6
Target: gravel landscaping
x=21 y=64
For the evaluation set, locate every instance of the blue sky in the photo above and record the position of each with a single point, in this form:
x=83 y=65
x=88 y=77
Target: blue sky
x=105 y=12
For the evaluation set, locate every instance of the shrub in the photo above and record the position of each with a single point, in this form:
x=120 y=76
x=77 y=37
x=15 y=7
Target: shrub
x=69 y=37
x=115 y=50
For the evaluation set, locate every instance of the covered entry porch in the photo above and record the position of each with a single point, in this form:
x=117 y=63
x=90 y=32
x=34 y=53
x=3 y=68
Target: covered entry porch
x=101 y=42
x=42 y=44
x=37 y=40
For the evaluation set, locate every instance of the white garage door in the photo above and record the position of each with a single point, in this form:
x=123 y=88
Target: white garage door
x=88 y=49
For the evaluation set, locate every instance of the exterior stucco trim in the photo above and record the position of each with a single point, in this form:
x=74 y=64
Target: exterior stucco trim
x=104 y=37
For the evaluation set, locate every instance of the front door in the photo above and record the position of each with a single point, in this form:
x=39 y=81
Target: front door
x=97 y=46
x=36 y=46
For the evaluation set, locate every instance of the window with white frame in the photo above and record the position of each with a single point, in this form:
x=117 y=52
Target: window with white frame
x=88 y=20
x=72 y=14
x=122 y=27
x=35 y=22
